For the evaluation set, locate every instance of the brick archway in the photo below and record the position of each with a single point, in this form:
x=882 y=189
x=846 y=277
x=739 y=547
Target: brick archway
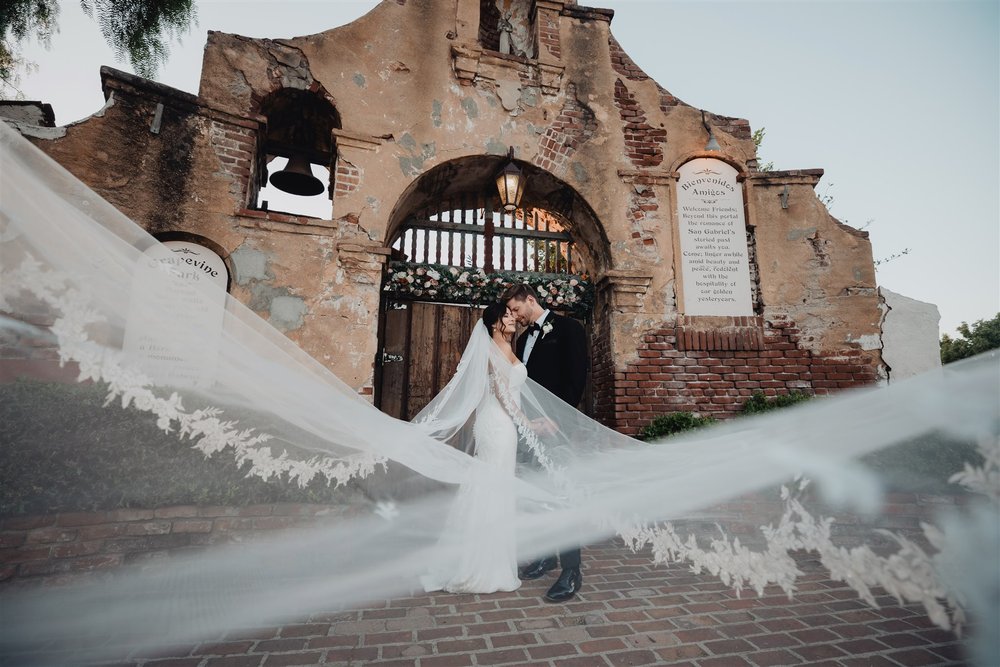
x=450 y=219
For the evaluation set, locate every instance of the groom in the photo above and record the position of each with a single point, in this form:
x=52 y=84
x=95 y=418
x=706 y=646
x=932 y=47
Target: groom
x=554 y=350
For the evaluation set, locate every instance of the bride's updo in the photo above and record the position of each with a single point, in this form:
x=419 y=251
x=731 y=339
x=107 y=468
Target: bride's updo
x=492 y=315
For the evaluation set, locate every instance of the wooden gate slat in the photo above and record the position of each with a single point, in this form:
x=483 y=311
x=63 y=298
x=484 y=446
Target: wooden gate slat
x=421 y=363
x=393 y=388
x=452 y=321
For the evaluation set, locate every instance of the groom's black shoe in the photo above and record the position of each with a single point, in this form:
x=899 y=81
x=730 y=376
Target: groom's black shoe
x=566 y=585
x=537 y=569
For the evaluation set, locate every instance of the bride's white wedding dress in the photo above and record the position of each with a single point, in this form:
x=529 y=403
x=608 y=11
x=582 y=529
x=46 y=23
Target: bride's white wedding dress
x=481 y=519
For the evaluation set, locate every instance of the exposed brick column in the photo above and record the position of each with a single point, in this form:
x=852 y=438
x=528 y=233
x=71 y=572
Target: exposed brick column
x=236 y=149
x=618 y=292
x=574 y=125
x=643 y=143
x=623 y=64
x=346 y=177
x=547 y=14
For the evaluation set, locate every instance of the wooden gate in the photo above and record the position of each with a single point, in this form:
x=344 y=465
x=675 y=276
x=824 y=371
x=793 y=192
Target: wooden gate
x=422 y=345
x=423 y=331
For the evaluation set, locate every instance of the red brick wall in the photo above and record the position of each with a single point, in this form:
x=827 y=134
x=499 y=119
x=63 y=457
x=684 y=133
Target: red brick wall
x=623 y=64
x=574 y=125
x=347 y=178
x=236 y=149
x=602 y=364
x=642 y=203
x=714 y=370
x=643 y=143
x=548 y=35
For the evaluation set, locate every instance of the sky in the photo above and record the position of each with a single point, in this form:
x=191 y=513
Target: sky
x=898 y=101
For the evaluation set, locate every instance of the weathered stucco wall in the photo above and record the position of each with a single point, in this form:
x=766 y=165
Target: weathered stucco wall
x=911 y=336
x=415 y=92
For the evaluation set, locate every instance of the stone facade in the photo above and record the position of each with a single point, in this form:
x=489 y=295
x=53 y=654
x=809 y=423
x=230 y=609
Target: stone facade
x=910 y=336
x=421 y=105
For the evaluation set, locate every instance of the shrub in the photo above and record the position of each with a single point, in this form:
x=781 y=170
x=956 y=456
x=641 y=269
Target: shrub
x=674 y=422
x=758 y=402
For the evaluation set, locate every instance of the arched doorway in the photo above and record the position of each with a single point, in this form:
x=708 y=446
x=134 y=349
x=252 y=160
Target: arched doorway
x=454 y=250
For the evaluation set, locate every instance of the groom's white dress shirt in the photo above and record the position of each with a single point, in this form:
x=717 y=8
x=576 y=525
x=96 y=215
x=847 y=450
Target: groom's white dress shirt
x=529 y=344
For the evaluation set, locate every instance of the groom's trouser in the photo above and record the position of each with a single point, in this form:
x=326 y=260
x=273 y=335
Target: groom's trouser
x=568 y=559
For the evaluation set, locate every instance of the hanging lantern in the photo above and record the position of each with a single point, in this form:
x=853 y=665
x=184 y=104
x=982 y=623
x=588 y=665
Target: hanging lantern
x=510 y=184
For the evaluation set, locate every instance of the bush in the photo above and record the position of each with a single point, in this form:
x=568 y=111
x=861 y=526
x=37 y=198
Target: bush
x=63 y=451
x=758 y=402
x=675 y=422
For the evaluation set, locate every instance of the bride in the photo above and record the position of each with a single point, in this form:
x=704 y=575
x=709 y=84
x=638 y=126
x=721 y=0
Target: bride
x=480 y=522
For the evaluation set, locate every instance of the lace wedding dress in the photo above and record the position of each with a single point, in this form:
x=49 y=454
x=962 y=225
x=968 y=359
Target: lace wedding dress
x=481 y=520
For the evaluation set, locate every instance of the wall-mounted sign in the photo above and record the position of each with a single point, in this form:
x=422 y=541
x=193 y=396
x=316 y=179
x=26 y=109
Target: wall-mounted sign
x=715 y=264
x=177 y=282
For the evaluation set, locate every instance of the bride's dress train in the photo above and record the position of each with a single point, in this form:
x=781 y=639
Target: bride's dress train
x=481 y=520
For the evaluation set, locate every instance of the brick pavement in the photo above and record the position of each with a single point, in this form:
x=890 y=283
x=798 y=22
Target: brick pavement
x=629 y=613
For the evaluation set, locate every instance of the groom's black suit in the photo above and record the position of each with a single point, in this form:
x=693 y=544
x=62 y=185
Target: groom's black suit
x=558 y=362
x=558 y=359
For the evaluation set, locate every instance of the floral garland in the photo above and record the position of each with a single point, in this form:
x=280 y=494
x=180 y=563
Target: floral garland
x=435 y=282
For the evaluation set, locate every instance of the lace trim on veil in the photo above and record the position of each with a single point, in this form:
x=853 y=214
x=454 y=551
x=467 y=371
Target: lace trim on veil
x=206 y=427
x=909 y=574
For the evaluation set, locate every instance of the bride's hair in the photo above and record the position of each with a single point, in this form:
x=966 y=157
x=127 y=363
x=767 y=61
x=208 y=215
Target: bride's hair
x=492 y=315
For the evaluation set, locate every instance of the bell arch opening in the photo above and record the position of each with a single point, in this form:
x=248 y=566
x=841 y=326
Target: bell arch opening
x=299 y=152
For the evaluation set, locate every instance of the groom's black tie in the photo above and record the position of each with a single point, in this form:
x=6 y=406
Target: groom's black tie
x=534 y=326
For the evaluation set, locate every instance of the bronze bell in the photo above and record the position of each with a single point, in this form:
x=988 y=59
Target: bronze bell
x=297 y=178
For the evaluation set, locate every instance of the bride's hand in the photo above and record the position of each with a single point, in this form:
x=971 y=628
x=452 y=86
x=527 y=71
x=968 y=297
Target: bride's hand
x=544 y=426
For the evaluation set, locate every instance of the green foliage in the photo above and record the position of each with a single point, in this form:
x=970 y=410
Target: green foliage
x=758 y=402
x=983 y=335
x=758 y=139
x=675 y=422
x=135 y=29
x=557 y=262
x=20 y=19
x=65 y=452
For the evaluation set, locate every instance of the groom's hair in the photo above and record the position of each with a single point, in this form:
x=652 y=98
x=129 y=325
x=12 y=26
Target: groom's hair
x=518 y=292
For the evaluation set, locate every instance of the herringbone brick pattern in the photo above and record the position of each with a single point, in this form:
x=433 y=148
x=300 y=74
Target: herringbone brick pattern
x=630 y=612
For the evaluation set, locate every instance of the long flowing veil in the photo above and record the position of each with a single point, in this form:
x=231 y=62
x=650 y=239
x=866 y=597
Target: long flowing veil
x=131 y=389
